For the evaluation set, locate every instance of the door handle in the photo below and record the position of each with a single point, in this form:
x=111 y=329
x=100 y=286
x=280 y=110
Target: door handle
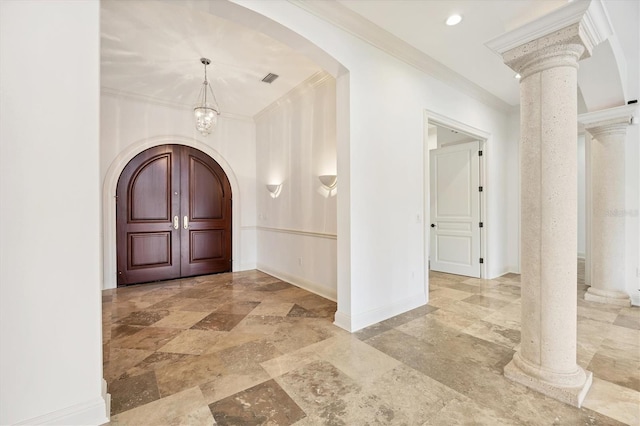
x=185 y=222
x=433 y=225
x=176 y=222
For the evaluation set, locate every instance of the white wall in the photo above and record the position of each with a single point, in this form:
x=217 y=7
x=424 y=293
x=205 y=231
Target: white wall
x=296 y=143
x=50 y=302
x=130 y=125
x=385 y=143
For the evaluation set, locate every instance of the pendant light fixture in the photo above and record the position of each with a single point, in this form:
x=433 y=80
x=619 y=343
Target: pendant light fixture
x=206 y=110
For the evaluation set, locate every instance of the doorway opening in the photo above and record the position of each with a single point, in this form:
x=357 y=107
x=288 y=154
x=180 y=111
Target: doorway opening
x=455 y=202
x=173 y=216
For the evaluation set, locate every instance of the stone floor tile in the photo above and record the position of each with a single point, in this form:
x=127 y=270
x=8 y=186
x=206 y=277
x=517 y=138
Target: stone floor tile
x=180 y=319
x=319 y=388
x=185 y=408
x=504 y=336
x=616 y=366
x=224 y=336
x=194 y=342
x=149 y=338
x=263 y=404
x=485 y=301
x=628 y=321
x=219 y=321
x=272 y=308
x=188 y=373
x=617 y=402
x=131 y=392
x=466 y=412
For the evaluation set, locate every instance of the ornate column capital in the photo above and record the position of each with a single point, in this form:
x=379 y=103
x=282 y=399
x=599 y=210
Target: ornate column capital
x=612 y=121
x=560 y=38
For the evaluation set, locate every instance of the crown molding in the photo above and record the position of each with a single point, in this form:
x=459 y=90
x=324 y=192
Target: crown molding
x=136 y=97
x=595 y=26
x=118 y=93
x=316 y=80
x=358 y=26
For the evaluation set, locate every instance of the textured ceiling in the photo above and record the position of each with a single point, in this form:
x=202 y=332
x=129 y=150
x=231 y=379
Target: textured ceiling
x=153 y=49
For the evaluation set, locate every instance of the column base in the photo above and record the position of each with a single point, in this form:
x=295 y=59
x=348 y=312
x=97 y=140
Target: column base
x=567 y=392
x=611 y=297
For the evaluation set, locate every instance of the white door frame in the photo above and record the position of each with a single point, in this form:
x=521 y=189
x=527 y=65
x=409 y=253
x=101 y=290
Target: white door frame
x=431 y=117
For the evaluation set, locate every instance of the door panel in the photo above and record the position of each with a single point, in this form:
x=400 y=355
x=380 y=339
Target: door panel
x=149 y=249
x=206 y=245
x=158 y=185
x=206 y=192
x=208 y=208
x=150 y=194
x=455 y=209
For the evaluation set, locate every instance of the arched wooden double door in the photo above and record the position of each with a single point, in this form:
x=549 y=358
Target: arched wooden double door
x=173 y=216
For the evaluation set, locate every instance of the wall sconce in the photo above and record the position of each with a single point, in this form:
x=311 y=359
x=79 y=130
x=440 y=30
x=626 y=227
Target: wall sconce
x=274 y=190
x=328 y=188
x=328 y=181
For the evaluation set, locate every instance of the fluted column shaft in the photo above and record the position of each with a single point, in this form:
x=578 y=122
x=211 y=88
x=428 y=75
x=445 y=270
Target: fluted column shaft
x=608 y=212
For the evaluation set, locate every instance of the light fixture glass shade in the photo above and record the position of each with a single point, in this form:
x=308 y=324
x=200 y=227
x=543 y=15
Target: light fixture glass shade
x=274 y=190
x=329 y=181
x=206 y=110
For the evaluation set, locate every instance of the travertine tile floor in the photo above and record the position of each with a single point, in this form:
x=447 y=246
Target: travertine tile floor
x=248 y=349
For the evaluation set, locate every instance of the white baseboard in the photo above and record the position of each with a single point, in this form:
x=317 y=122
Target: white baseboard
x=513 y=269
x=343 y=321
x=357 y=322
x=107 y=399
x=319 y=289
x=635 y=299
x=246 y=267
x=92 y=412
x=500 y=273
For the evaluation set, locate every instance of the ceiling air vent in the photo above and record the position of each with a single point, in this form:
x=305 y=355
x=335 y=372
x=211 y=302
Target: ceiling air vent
x=270 y=78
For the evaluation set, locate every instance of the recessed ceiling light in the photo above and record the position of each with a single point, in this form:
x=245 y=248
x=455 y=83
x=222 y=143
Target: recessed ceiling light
x=517 y=76
x=453 y=20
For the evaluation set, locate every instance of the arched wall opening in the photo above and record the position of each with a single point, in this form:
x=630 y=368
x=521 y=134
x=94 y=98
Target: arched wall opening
x=109 y=205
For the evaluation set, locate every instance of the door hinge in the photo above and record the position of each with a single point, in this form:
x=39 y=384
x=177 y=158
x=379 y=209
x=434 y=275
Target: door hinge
x=482 y=260
x=115 y=197
x=480 y=188
x=481 y=224
x=480 y=153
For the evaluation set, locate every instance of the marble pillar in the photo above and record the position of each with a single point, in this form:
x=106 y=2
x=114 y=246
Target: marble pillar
x=608 y=129
x=546 y=53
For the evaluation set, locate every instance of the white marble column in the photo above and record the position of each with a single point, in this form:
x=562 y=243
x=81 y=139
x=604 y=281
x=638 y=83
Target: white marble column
x=608 y=129
x=546 y=54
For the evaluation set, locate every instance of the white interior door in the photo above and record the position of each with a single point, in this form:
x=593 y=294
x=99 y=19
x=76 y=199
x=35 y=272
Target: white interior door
x=455 y=209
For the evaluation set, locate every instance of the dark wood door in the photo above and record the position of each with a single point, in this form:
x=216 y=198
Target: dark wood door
x=173 y=216
x=206 y=215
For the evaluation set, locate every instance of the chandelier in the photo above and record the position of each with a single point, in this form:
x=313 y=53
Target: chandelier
x=206 y=110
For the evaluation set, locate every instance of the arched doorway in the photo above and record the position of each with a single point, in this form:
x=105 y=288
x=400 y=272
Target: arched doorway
x=173 y=216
